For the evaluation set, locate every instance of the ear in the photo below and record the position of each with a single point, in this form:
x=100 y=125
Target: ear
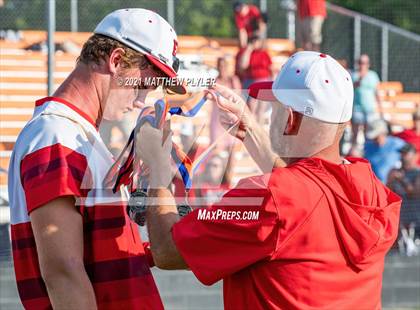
x=114 y=62
x=293 y=123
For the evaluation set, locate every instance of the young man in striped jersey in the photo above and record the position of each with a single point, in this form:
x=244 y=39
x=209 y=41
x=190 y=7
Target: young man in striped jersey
x=73 y=245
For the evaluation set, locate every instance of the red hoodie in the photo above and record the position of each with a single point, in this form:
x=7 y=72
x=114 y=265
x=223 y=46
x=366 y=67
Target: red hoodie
x=319 y=242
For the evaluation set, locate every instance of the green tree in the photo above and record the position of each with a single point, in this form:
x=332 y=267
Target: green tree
x=402 y=13
x=194 y=17
x=206 y=17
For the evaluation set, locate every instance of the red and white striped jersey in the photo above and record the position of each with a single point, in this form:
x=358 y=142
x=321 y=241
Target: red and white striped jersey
x=59 y=153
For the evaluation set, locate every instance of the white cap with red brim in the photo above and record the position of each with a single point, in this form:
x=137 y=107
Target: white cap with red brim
x=148 y=33
x=313 y=84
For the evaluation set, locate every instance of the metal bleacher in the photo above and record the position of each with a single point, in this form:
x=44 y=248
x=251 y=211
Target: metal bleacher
x=23 y=77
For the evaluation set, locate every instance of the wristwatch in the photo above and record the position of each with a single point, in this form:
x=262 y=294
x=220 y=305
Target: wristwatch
x=137 y=206
x=183 y=209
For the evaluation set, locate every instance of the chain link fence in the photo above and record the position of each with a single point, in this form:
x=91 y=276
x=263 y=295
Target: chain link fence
x=342 y=38
x=32 y=14
x=338 y=37
x=404 y=61
x=394 y=53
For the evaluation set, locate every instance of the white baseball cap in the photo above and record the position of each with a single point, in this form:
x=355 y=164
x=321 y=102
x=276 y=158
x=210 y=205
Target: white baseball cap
x=148 y=33
x=375 y=128
x=313 y=84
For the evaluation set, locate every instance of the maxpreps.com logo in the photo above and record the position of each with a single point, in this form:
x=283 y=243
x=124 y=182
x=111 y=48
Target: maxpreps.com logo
x=224 y=215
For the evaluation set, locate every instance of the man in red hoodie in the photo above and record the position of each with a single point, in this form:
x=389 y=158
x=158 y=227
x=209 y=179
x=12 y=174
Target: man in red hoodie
x=310 y=234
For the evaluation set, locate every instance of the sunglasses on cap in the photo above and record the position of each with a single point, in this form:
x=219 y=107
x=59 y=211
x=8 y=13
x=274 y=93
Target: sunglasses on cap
x=175 y=60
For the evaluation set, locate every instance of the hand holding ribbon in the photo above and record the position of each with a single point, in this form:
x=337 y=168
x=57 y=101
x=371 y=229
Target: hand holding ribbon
x=129 y=170
x=155 y=152
x=233 y=110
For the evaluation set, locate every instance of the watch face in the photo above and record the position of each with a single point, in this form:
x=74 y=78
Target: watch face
x=138 y=199
x=183 y=209
x=136 y=208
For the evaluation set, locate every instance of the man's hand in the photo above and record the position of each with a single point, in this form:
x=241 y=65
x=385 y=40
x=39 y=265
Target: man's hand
x=58 y=231
x=396 y=175
x=233 y=110
x=153 y=147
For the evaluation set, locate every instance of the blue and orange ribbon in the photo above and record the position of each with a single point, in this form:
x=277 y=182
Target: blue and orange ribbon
x=123 y=171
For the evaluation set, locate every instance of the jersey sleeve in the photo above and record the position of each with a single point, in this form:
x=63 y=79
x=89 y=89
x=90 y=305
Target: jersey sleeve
x=215 y=247
x=54 y=164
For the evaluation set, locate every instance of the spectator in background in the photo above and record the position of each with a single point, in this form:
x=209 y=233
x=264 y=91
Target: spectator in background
x=381 y=150
x=312 y=14
x=344 y=63
x=366 y=98
x=124 y=126
x=412 y=136
x=225 y=78
x=406 y=183
x=406 y=180
x=249 y=21
x=254 y=62
x=241 y=74
x=255 y=65
x=216 y=179
x=233 y=82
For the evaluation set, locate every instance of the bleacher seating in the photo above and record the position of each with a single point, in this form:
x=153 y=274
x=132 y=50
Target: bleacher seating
x=398 y=106
x=23 y=77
